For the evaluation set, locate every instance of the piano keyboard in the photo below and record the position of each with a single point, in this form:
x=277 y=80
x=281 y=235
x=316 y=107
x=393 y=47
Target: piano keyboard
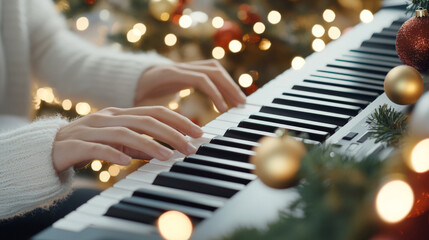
x=328 y=100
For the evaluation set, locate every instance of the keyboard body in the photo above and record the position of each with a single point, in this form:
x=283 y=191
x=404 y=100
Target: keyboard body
x=256 y=205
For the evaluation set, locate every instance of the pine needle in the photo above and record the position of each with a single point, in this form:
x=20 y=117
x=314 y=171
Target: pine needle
x=415 y=4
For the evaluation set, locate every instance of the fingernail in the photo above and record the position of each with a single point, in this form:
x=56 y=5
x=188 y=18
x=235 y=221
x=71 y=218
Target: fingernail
x=190 y=149
x=126 y=159
x=198 y=131
x=243 y=97
x=224 y=107
x=165 y=153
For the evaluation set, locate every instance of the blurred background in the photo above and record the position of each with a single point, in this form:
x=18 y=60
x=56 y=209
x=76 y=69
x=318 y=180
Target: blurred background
x=255 y=40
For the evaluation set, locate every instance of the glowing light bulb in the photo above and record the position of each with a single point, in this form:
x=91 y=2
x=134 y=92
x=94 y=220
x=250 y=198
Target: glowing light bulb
x=83 y=108
x=133 y=35
x=67 y=104
x=46 y=94
x=394 y=201
x=235 y=46
x=164 y=16
x=185 y=92
x=173 y=105
x=298 y=63
x=274 y=17
x=318 y=45
x=174 y=225
x=265 y=44
x=170 y=39
x=218 y=53
x=259 y=28
x=329 y=15
x=82 y=23
x=334 y=33
x=217 y=22
x=141 y=28
x=114 y=170
x=420 y=156
x=104 y=176
x=366 y=16
x=185 y=21
x=245 y=80
x=318 y=30
x=96 y=165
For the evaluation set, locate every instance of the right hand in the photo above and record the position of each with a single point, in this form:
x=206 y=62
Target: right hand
x=115 y=135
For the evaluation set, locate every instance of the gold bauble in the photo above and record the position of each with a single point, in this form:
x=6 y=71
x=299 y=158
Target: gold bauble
x=162 y=9
x=277 y=160
x=403 y=85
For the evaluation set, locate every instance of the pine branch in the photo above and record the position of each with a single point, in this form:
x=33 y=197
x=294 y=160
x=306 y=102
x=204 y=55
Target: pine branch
x=415 y=4
x=387 y=125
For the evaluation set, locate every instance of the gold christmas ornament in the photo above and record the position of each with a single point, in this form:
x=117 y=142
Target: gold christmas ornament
x=277 y=160
x=403 y=85
x=162 y=9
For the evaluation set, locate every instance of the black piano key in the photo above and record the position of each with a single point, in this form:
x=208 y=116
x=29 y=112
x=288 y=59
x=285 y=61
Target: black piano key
x=383 y=43
x=399 y=21
x=198 y=184
x=212 y=172
x=348 y=78
x=385 y=34
x=220 y=163
x=213 y=150
x=330 y=128
x=378 y=51
x=337 y=91
x=386 y=29
x=133 y=213
x=328 y=98
x=360 y=67
x=371 y=62
x=318 y=105
x=346 y=84
x=272 y=127
x=394 y=27
x=371 y=56
x=247 y=134
x=195 y=214
x=304 y=113
x=233 y=142
x=177 y=199
x=353 y=73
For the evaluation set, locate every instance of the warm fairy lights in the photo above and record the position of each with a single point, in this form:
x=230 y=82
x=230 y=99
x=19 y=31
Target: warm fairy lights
x=329 y=15
x=217 y=22
x=218 y=52
x=298 y=63
x=184 y=93
x=235 y=46
x=318 y=45
x=67 y=104
x=170 y=39
x=82 y=23
x=174 y=225
x=334 y=33
x=259 y=28
x=83 y=108
x=245 y=80
x=420 y=156
x=104 y=176
x=133 y=35
x=114 y=170
x=318 y=30
x=141 y=28
x=366 y=16
x=173 y=105
x=185 y=21
x=265 y=44
x=394 y=201
x=46 y=94
x=96 y=165
x=274 y=17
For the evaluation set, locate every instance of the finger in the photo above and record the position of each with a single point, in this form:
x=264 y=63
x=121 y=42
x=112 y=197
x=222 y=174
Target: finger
x=144 y=125
x=203 y=82
x=221 y=78
x=72 y=152
x=113 y=135
x=168 y=117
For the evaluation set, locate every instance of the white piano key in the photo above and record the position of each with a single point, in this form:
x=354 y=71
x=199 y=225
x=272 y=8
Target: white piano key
x=214 y=131
x=69 y=225
x=116 y=193
x=101 y=201
x=154 y=168
x=204 y=139
x=232 y=117
x=224 y=125
x=167 y=163
x=245 y=109
x=93 y=209
x=146 y=177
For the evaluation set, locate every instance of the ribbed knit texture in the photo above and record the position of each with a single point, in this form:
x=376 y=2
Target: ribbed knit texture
x=34 y=41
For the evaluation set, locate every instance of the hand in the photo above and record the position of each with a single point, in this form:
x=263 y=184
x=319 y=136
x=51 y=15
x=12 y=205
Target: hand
x=115 y=135
x=208 y=76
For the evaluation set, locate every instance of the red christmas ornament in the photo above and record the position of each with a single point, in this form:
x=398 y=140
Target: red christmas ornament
x=228 y=32
x=246 y=15
x=412 y=41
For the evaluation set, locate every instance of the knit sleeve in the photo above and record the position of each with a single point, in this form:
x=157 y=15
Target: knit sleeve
x=77 y=69
x=27 y=176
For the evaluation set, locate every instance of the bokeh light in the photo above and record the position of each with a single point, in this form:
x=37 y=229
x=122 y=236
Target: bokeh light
x=217 y=22
x=298 y=63
x=318 y=30
x=82 y=23
x=245 y=80
x=175 y=225
x=366 y=16
x=96 y=165
x=170 y=39
x=83 y=108
x=420 y=156
x=274 y=17
x=185 y=21
x=329 y=15
x=235 y=46
x=334 y=33
x=259 y=28
x=185 y=92
x=114 y=170
x=218 y=52
x=104 y=176
x=394 y=201
x=318 y=45
x=67 y=104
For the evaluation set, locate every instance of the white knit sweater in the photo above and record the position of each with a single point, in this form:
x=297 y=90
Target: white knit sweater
x=36 y=45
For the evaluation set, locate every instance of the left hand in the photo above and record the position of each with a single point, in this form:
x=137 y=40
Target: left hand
x=208 y=76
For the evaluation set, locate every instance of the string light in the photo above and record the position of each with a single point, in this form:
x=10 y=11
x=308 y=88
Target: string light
x=265 y=44
x=141 y=28
x=174 y=225
x=298 y=63
x=419 y=156
x=394 y=201
x=235 y=46
x=318 y=45
x=218 y=52
x=133 y=35
x=245 y=80
x=185 y=21
x=46 y=94
x=259 y=28
x=274 y=17
x=334 y=33
x=173 y=105
x=83 y=108
x=114 y=170
x=329 y=15
x=67 y=104
x=104 y=176
x=164 y=16
x=217 y=22
x=82 y=23
x=184 y=93
x=96 y=165
x=318 y=30
x=170 y=39
x=366 y=16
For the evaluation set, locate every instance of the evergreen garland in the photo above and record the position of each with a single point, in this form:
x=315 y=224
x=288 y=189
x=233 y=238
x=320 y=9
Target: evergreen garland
x=335 y=201
x=415 y=4
x=387 y=125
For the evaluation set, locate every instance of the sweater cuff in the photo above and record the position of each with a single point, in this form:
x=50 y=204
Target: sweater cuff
x=114 y=77
x=28 y=177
